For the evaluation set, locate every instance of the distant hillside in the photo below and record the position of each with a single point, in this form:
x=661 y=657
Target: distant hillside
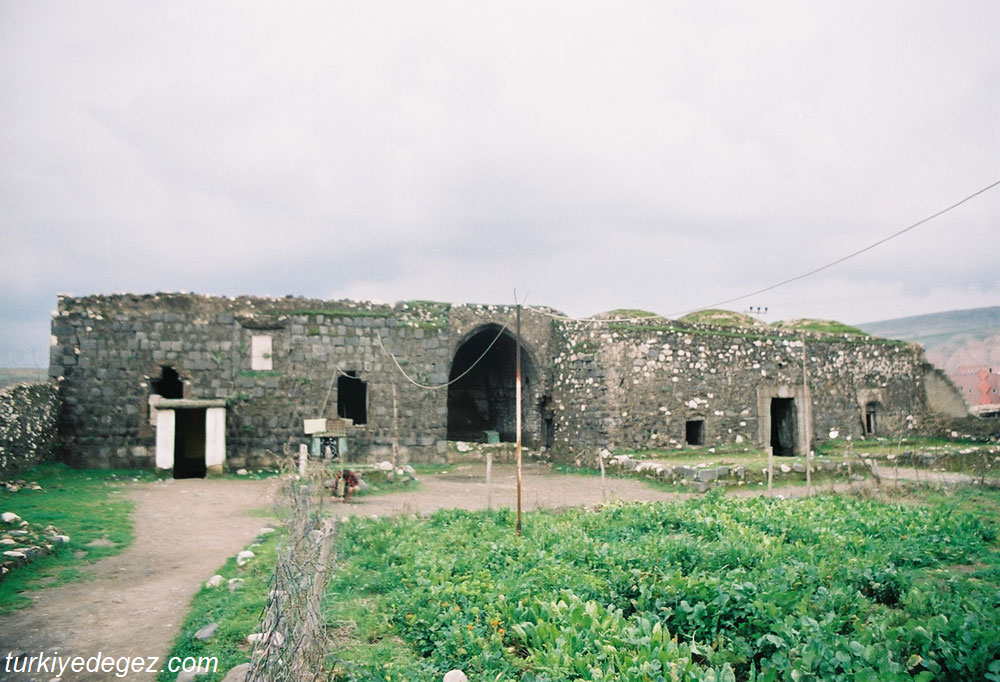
x=9 y=376
x=953 y=339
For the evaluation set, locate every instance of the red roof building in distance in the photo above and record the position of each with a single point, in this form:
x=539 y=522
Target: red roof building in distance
x=979 y=385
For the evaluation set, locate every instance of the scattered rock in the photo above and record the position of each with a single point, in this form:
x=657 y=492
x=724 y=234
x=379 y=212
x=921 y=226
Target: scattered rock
x=275 y=638
x=234 y=584
x=798 y=467
x=265 y=530
x=10 y=517
x=63 y=539
x=189 y=675
x=384 y=466
x=206 y=632
x=244 y=557
x=237 y=674
x=785 y=469
x=241 y=472
x=455 y=676
x=214 y=581
x=706 y=475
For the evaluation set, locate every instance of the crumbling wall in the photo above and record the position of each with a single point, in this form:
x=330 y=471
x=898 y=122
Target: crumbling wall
x=637 y=385
x=110 y=350
x=28 y=418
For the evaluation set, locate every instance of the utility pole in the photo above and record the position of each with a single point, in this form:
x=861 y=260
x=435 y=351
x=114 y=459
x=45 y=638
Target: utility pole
x=517 y=417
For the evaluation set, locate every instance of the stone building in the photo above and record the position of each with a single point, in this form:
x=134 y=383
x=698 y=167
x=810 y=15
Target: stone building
x=191 y=382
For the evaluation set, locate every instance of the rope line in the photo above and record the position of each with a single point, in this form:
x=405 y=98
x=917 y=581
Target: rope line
x=448 y=383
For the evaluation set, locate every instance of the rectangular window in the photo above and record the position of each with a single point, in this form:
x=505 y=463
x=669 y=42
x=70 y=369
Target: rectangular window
x=260 y=352
x=352 y=398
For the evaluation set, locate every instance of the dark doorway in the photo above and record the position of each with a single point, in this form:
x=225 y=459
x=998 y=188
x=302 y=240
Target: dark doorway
x=694 y=432
x=783 y=426
x=189 y=443
x=482 y=397
x=352 y=398
x=548 y=410
x=169 y=385
x=871 y=419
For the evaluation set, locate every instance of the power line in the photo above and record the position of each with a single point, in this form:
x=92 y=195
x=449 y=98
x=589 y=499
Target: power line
x=783 y=282
x=848 y=256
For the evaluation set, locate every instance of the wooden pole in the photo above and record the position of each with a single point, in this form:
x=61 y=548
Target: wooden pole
x=770 y=471
x=489 y=480
x=517 y=393
x=604 y=490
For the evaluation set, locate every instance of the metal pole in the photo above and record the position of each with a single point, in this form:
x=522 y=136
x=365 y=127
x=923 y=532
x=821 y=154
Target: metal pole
x=517 y=393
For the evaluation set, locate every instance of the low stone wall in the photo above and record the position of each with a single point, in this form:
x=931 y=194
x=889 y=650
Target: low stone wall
x=29 y=416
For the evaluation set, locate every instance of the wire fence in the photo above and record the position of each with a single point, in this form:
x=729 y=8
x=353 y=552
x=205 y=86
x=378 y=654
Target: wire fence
x=291 y=644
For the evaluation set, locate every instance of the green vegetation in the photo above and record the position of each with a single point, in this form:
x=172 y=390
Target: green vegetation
x=629 y=312
x=338 y=312
x=86 y=505
x=237 y=612
x=721 y=318
x=713 y=588
x=819 y=326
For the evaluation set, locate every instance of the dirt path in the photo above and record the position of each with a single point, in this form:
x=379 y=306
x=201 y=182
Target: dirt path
x=184 y=530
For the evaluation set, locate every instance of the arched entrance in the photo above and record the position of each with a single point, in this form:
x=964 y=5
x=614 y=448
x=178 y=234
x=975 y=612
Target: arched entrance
x=484 y=399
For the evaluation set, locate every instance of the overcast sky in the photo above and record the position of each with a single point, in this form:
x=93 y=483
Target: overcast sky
x=659 y=155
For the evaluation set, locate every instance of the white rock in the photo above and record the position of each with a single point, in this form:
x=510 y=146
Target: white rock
x=244 y=557
x=265 y=530
x=455 y=676
x=189 y=675
x=385 y=466
x=214 y=581
x=59 y=538
x=10 y=517
x=275 y=637
x=785 y=469
x=14 y=554
x=463 y=447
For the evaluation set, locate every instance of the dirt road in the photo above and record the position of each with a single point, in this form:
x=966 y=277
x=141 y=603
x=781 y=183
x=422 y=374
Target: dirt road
x=184 y=530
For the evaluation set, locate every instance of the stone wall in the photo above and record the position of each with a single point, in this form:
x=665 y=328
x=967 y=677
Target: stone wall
x=28 y=419
x=619 y=384
x=637 y=385
x=110 y=350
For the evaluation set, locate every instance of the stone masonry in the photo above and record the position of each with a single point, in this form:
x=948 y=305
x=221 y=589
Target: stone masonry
x=272 y=364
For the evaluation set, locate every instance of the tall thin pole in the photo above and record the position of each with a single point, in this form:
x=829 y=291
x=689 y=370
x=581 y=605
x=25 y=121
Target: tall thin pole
x=517 y=417
x=807 y=427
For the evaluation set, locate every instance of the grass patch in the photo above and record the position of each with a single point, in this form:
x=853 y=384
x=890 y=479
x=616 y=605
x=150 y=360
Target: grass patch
x=86 y=505
x=237 y=612
x=819 y=327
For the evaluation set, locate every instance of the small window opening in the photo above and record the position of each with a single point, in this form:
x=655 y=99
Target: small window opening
x=871 y=419
x=694 y=431
x=352 y=398
x=169 y=385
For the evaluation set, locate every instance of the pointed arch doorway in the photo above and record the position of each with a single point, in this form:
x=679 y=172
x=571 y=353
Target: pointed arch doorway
x=484 y=397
